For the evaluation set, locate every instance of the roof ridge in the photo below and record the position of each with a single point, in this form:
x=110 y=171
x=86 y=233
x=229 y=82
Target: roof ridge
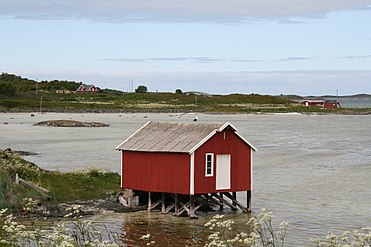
x=173 y=136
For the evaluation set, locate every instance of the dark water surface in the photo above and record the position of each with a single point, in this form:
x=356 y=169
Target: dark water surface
x=312 y=171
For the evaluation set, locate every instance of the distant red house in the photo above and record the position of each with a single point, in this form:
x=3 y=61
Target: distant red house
x=329 y=104
x=87 y=89
x=326 y=104
x=187 y=159
x=312 y=103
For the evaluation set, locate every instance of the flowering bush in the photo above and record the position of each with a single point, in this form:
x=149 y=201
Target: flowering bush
x=261 y=232
x=356 y=238
x=78 y=232
x=81 y=232
x=91 y=171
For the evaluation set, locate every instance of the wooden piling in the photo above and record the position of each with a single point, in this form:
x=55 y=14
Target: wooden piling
x=221 y=200
x=162 y=202
x=248 y=203
x=149 y=201
x=192 y=213
x=176 y=204
x=234 y=195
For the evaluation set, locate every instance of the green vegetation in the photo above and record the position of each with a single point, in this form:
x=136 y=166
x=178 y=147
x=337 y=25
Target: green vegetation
x=88 y=184
x=27 y=85
x=141 y=89
x=260 y=232
x=20 y=94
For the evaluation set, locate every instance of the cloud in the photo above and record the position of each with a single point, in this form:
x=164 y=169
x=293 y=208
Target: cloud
x=225 y=11
x=288 y=59
x=206 y=59
x=129 y=60
x=356 y=57
x=169 y=59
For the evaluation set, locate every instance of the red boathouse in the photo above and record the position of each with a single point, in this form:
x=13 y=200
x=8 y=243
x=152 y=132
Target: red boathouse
x=207 y=161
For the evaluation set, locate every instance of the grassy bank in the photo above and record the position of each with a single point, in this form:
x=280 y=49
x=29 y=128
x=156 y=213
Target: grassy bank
x=86 y=184
x=158 y=102
x=19 y=94
x=30 y=101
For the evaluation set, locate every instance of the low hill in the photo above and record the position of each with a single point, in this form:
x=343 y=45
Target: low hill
x=27 y=85
x=22 y=94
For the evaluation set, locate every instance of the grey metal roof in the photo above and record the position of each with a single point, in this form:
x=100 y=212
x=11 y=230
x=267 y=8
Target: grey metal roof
x=169 y=137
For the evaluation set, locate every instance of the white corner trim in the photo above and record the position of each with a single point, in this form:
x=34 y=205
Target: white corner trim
x=192 y=174
x=118 y=147
x=225 y=125
x=251 y=170
x=122 y=154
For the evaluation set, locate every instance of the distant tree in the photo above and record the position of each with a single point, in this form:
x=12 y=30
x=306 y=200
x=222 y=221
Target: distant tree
x=7 y=89
x=179 y=91
x=141 y=89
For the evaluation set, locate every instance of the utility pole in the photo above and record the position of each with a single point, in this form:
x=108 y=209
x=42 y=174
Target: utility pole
x=41 y=103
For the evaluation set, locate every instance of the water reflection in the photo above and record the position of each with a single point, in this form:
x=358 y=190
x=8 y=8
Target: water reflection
x=167 y=230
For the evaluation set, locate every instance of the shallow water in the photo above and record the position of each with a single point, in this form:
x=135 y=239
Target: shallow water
x=312 y=170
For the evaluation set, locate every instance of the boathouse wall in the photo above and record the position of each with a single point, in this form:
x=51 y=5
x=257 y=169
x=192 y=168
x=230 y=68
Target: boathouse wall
x=225 y=142
x=156 y=171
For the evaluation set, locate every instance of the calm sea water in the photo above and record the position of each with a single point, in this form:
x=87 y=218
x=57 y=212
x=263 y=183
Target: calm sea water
x=361 y=102
x=313 y=171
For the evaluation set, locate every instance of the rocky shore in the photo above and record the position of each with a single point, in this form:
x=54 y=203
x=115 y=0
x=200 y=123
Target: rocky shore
x=70 y=123
x=89 y=207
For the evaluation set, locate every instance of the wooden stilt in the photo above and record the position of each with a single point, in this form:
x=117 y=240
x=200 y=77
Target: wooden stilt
x=235 y=202
x=170 y=207
x=225 y=201
x=234 y=195
x=210 y=197
x=183 y=208
x=188 y=207
x=221 y=200
x=149 y=201
x=154 y=205
x=162 y=202
x=248 y=204
x=176 y=206
x=180 y=207
x=192 y=213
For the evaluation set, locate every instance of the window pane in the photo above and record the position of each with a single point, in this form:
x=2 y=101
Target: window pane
x=208 y=170
x=209 y=164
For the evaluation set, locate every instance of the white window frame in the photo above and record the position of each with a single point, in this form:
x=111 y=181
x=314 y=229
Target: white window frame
x=212 y=164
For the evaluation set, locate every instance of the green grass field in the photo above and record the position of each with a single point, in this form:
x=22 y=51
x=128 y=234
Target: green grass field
x=80 y=185
x=23 y=95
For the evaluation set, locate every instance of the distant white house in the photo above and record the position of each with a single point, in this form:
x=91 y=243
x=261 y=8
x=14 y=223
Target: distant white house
x=64 y=91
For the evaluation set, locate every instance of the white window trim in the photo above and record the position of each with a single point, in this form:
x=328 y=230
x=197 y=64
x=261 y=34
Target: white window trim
x=212 y=164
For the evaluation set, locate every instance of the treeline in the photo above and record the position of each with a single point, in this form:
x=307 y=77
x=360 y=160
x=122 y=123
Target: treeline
x=11 y=84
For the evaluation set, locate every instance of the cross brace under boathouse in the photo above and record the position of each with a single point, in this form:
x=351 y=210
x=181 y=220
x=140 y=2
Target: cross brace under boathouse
x=182 y=166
